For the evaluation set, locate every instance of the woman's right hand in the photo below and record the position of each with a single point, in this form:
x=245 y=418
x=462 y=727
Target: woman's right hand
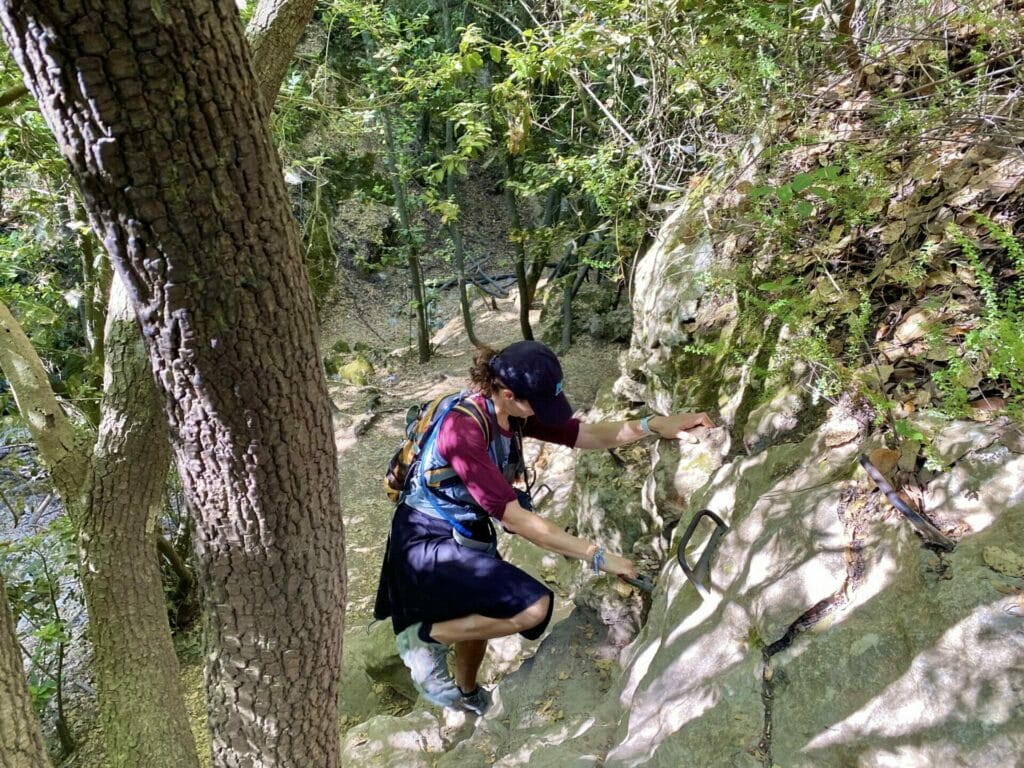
x=549 y=536
x=618 y=565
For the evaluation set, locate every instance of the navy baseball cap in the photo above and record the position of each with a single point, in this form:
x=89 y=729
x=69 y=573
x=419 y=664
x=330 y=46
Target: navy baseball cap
x=533 y=373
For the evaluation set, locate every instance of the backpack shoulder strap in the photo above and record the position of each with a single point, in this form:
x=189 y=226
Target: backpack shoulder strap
x=431 y=414
x=471 y=408
x=429 y=442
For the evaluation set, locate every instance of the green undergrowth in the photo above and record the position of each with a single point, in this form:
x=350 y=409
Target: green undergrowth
x=862 y=255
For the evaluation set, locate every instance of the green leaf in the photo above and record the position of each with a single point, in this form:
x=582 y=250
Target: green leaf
x=905 y=429
x=777 y=285
x=801 y=182
x=785 y=194
x=495 y=54
x=804 y=208
x=52 y=632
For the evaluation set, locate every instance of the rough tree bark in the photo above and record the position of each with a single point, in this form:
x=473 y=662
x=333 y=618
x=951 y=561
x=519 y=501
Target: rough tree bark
x=155 y=107
x=273 y=32
x=112 y=490
x=19 y=729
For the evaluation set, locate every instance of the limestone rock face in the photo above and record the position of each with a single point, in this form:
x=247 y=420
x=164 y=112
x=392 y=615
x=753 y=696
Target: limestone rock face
x=825 y=609
x=912 y=659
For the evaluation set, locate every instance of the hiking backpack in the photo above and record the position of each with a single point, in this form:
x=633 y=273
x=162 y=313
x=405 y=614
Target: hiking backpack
x=420 y=422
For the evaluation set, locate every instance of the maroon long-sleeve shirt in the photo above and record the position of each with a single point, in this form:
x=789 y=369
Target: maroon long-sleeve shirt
x=461 y=443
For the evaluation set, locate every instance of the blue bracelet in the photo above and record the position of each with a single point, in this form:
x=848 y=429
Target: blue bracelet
x=645 y=425
x=598 y=560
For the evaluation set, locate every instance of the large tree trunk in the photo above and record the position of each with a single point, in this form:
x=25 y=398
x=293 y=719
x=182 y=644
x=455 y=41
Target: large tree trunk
x=156 y=109
x=21 y=740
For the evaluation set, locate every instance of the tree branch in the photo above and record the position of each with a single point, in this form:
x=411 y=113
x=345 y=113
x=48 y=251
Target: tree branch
x=11 y=95
x=64 y=452
x=273 y=34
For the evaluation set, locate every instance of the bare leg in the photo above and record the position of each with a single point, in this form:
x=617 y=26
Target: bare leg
x=477 y=627
x=469 y=655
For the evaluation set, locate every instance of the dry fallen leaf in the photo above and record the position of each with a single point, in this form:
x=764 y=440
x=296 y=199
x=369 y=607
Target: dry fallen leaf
x=893 y=232
x=884 y=459
x=914 y=326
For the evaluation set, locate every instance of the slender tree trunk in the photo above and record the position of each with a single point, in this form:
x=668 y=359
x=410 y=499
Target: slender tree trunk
x=273 y=32
x=455 y=233
x=180 y=178
x=112 y=492
x=525 y=297
x=452 y=192
x=568 y=294
x=186 y=581
x=413 y=258
x=97 y=276
x=522 y=281
x=128 y=622
x=67 y=741
x=20 y=737
x=405 y=223
x=64 y=451
x=846 y=38
x=11 y=95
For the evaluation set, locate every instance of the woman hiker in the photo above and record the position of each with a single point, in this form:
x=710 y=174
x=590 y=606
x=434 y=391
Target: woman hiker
x=443 y=583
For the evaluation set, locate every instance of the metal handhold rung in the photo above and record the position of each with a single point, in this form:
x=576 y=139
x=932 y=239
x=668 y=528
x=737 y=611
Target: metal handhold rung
x=700 y=573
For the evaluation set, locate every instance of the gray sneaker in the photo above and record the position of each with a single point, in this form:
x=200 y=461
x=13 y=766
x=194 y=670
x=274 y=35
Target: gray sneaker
x=477 y=701
x=428 y=667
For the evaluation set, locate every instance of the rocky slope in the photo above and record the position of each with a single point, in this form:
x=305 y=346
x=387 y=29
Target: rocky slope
x=833 y=633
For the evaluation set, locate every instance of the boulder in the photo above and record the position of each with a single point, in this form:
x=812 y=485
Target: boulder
x=413 y=741
x=358 y=372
